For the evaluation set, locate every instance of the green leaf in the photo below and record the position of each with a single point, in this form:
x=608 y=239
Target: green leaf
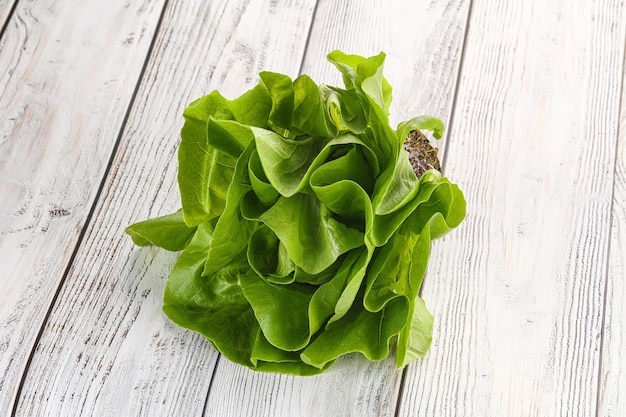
x=310 y=112
x=359 y=331
x=286 y=162
x=232 y=230
x=281 y=91
x=364 y=76
x=434 y=198
x=344 y=109
x=284 y=304
x=397 y=270
x=251 y=108
x=268 y=358
x=421 y=123
x=305 y=226
x=214 y=306
x=204 y=171
x=269 y=258
x=333 y=299
x=229 y=137
x=168 y=232
x=415 y=339
x=266 y=193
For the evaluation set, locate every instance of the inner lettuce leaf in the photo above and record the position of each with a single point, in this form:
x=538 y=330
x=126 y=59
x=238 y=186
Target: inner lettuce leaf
x=304 y=233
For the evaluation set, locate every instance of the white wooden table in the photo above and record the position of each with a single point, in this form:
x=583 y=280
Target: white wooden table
x=529 y=294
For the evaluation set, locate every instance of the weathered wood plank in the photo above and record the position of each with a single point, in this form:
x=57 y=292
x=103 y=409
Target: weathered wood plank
x=107 y=349
x=613 y=371
x=518 y=290
x=68 y=73
x=423 y=41
x=353 y=387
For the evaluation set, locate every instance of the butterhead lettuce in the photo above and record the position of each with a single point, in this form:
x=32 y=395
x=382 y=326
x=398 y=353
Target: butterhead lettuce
x=304 y=232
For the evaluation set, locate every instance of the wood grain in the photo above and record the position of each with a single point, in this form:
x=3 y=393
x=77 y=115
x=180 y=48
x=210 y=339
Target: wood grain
x=353 y=387
x=518 y=291
x=611 y=402
x=107 y=349
x=64 y=89
x=428 y=37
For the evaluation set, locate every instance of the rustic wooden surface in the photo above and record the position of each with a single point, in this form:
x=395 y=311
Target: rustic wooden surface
x=67 y=80
x=528 y=294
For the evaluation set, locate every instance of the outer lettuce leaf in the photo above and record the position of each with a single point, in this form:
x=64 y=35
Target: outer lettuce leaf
x=397 y=271
x=268 y=358
x=305 y=234
x=214 y=307
x=432 y=189
x=415 y=338
x=359 y=331
x=204 y=172
x=168 y=232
